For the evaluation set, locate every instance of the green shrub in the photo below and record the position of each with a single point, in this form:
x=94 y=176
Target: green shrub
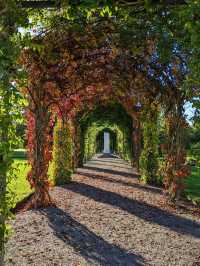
x=149 y=157
x=149 y=167
x=62 y=167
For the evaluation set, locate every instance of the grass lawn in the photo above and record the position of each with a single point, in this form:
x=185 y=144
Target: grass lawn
x=192 y=190
x=19 y=186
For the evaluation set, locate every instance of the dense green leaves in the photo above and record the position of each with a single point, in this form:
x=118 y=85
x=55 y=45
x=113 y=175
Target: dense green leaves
x=10 y=19
x=149 y=157
x=62 y=153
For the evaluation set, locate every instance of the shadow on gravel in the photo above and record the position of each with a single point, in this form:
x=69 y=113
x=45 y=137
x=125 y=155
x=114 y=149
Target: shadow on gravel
x=108 y=155
x=111 y=162
x=109 y=171
x=99 y=163
x=115 y=161
x=147 y=212
x=89 y=245
x=121 y=182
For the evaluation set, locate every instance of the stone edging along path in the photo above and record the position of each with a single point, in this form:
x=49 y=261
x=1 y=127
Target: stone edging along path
x=105 y=217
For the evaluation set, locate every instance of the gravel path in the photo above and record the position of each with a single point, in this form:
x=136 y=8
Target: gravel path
x=105 y=217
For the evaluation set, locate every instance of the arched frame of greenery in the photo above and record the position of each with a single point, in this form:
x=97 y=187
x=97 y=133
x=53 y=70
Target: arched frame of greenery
x=71 y=69
x=169 y=24
x=113 y=117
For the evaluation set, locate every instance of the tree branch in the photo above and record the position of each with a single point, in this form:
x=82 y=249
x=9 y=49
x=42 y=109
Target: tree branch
x=40 y=4
x=57 y=4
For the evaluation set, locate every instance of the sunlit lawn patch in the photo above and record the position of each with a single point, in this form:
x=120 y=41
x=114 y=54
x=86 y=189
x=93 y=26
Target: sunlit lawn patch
x=192 y=190
x=19 y=187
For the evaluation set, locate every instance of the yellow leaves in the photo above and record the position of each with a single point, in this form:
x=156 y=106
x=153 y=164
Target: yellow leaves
x=69 y=71
x=151 y=46
x=175 y=70
x=74 y=64
x=66 y=55
x=115 y=51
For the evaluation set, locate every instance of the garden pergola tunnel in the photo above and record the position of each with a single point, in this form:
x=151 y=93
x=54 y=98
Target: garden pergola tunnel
x=73 y=72
x=80 y=54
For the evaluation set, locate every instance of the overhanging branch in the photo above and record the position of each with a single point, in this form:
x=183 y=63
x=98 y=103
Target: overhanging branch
x=57 y=3
x=142 y=2
x=40 y=4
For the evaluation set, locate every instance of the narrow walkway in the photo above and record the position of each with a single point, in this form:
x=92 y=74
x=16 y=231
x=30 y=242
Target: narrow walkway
x=105 y=217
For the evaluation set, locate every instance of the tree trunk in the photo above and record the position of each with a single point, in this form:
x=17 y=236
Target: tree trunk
x=136 y=142
x=39 y=158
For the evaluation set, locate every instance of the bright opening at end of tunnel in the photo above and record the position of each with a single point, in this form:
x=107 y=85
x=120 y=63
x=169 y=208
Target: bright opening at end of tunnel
x=106 y=148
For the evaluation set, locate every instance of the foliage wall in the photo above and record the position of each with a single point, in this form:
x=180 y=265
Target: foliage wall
x=149 y=158
x=62 y=152
x=193 y=135
x=10 y=107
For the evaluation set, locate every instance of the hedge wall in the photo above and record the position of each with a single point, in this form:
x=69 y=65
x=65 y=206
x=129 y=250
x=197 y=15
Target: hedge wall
x=62 y=152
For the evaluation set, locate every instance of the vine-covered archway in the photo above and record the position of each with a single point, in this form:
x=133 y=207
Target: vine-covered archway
x=110 y=115
x=143 y=54
x=72 y=72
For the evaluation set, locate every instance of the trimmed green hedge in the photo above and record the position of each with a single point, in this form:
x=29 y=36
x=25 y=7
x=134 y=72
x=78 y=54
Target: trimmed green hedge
x=62 y=165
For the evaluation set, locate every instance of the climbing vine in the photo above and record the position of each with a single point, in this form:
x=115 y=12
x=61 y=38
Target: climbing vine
x=70 y=61
x=129 y=51
x=176 y=168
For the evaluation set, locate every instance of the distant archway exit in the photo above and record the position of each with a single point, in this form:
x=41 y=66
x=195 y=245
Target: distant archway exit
x=106 y=143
